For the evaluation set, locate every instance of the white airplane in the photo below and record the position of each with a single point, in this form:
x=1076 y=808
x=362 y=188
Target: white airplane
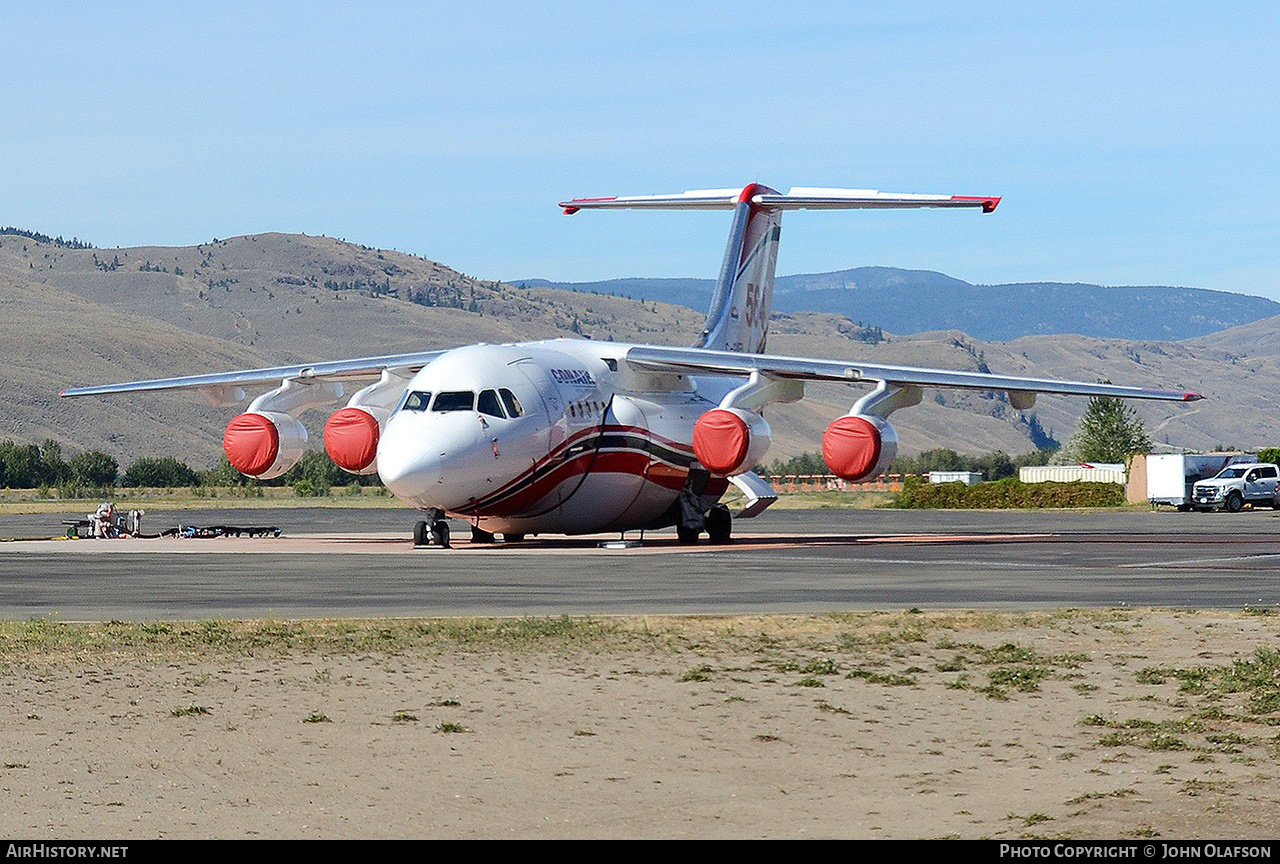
x=573 y=436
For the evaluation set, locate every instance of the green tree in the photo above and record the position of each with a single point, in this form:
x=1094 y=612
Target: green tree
x=315 y=474
x=93 y=468
x=52 y=469
x=162 y=472
x=1109 y=432
x=225 y=475
x=20 y=465
x=805 y=463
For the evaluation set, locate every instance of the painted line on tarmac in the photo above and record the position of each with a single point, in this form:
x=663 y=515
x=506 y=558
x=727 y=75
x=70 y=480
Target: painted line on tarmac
x=1188 y=562
x=382 y=544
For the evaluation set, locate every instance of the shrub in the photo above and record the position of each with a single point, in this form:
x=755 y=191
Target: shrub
x=1009 y=493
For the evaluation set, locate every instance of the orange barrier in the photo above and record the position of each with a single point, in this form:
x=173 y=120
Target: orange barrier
x=830 y=482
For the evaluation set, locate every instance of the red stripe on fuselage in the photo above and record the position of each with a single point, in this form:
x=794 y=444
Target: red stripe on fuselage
x=519 y=502
x=541 y=479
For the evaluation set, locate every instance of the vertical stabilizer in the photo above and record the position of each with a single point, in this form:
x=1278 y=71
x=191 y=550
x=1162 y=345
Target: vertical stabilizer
x=743 y=300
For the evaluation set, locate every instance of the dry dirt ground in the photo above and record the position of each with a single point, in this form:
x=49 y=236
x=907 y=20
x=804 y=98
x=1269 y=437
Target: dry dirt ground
x=1080 y=724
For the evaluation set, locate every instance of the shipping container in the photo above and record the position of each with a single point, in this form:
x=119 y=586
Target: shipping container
x=968 y=478
x=1096 y=472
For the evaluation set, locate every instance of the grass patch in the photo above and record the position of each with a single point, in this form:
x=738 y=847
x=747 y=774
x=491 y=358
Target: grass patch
x=821 y=666
x=1257 y=678
x=891 y=679
x=834 y=709
x=51 y=639
x=190 y=710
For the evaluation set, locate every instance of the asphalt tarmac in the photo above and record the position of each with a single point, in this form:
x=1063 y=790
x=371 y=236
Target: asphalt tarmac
x=358 y=563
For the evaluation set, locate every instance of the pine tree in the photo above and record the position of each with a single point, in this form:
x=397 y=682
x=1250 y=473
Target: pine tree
x=1109 y=431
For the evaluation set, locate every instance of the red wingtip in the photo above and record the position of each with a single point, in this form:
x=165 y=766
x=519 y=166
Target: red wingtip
x=1191 y=397
x=988 y=204
x=570 y=206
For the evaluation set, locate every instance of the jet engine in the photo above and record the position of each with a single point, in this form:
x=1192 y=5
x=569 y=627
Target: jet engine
x=264 y=444
x=730 y=441
x=859 y=447
x=351 y=438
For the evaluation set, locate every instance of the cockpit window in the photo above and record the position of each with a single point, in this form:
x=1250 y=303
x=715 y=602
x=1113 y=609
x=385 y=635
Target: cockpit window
x=417 y=401
x=454 y=400
x=489 y=404
x=513 y=404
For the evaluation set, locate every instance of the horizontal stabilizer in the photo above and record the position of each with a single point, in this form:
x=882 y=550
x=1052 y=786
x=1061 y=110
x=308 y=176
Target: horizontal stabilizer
x=799 y=198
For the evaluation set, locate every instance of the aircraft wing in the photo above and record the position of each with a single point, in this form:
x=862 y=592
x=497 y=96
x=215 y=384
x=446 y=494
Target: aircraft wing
x=661 y=359
x=360 y=367
x=696 y=360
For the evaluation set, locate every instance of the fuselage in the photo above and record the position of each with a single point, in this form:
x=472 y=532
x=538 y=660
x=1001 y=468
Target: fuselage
x=557 y=437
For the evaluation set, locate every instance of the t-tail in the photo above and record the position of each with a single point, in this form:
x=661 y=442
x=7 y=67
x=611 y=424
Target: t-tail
x=743 y=301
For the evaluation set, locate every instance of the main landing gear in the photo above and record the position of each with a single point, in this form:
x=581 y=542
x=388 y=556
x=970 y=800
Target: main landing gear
x=432 y=531
x=692 y=520
x=718 y=523
x=479 y=535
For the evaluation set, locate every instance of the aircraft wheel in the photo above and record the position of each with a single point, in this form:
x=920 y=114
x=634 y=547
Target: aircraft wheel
x=720 y=525
x=479 y=535
x=1235 y=502
x=512 y=538
x=440 y=533
x=420 y=536
x=687 y=536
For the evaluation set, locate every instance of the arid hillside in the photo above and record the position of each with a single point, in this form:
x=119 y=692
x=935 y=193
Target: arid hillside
x=76 y=316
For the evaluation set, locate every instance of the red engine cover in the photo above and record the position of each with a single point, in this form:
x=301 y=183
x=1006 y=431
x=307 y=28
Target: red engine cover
x=351 y=439
x=721 y=440
x=252 y=443
x=851 y=447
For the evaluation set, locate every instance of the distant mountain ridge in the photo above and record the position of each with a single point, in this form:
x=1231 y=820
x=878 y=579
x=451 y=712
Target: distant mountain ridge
x=919 y=301
x=77 y=315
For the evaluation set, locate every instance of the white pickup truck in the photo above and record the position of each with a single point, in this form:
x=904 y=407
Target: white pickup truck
x=1255 y=483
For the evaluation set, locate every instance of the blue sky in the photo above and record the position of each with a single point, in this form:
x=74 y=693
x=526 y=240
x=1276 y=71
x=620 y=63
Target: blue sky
x=1134 y=143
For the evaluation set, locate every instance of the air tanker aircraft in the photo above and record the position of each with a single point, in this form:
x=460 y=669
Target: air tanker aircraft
x=573 y=436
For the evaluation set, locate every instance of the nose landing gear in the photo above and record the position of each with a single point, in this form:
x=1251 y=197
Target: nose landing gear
x=432 y=531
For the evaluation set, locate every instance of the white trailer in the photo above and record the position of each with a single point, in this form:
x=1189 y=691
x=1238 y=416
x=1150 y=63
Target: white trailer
x=1170 y=476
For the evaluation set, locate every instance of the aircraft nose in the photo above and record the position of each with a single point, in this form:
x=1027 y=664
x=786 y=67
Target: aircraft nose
x=408 y=470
